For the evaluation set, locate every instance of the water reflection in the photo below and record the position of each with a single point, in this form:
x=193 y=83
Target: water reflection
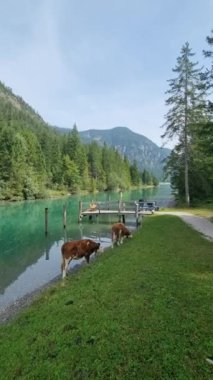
x=34 y=276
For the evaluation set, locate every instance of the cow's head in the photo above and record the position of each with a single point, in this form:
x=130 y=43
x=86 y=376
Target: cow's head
x=128 y=234
x=95 y=247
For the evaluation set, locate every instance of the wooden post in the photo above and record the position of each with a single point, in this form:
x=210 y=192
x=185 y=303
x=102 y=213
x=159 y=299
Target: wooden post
x=108 y=198
x=64 y=216
x=119 y=211
x=136 y=214
x=47 y=254
x=46 y=220
x=65 y=235
x=80 y=212
x=121 y=195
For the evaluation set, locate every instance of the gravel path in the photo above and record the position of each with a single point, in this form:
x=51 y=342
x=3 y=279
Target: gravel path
x=202 y=225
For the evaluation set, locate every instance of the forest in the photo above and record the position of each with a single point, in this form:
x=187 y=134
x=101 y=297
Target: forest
x=190 y=120
x=37 y=161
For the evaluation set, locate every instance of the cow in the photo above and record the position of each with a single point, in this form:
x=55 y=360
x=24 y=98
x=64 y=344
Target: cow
x=119 y=231
x=76 y=249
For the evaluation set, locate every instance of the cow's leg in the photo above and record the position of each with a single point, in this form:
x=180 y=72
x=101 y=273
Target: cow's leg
x=65 y=267
x=87 y=259
x=113 y=239
x=62 y=265
x=63 y=273
x=120 y=237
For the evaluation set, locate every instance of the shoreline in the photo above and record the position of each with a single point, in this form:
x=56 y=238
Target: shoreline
x=7 y=313
x=11 y=311
x=54 y=196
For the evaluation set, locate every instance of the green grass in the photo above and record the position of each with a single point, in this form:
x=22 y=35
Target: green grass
x=203 y=210
x=140 y=311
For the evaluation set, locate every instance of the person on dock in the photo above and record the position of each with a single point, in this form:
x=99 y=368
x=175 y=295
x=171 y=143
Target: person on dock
x=92 y=206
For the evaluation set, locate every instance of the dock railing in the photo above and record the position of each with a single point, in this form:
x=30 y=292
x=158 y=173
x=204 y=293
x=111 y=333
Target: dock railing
x=120 y=208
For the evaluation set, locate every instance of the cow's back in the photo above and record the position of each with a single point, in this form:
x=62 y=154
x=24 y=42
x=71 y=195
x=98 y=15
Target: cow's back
x=79 y=247
x=119 y=229
x=69 y=248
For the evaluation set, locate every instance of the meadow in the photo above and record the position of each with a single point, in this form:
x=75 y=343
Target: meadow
x=142 y=310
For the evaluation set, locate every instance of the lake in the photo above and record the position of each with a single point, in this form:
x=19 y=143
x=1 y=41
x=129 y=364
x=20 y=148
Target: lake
x=30 y=259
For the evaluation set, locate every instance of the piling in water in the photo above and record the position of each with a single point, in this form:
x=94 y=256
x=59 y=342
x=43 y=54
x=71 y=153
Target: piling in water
x=46 y=220
x=64 y=216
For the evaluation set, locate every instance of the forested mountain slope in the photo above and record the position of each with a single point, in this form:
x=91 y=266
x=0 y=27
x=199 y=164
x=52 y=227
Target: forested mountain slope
x=133 y=145
x=36 y=159
x=28 y=149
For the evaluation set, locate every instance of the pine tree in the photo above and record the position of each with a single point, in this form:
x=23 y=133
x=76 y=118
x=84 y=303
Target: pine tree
x=71 y=177
x=208 y=75
x=135 y=174
x=186 y=102
x=96 y=171
x=73 y=144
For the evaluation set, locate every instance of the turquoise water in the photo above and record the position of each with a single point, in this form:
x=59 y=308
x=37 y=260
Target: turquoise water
x=29 y=258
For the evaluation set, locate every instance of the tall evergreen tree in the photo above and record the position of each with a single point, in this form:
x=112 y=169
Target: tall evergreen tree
x=70 y=174
x=186 y=102
x=208 y=75
x=135 y=174
x=146 y=177
x=73 y=144
x=96 y=171
x=205 y=131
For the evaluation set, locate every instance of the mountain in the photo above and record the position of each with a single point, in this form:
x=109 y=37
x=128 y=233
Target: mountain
x=36 y=159
x=137 y=147
x=13 y=107
x=15 y=112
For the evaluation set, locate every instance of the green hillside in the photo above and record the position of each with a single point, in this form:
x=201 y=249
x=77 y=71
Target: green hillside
x=134 y=146
x=37 y=161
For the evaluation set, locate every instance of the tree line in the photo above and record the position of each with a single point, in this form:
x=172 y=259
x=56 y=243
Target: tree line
x=190 y=120
x=35 y=158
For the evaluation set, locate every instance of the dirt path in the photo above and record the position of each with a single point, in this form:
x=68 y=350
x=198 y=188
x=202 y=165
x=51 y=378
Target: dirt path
x=200 y=224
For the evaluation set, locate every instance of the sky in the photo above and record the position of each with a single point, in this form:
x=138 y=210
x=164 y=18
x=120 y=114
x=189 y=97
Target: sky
x=99 y=63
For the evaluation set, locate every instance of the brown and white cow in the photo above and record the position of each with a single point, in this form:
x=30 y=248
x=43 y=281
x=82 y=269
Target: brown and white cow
x=74 y=250
x=119 y=231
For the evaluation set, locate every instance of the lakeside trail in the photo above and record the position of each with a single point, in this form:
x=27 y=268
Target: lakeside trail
x=200 y=224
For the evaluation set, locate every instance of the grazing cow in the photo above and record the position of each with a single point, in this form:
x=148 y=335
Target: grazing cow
x=119 y=231
x=76 y=250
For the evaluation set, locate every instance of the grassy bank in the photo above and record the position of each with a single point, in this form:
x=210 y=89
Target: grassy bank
x=204 y=210
x=140 y=311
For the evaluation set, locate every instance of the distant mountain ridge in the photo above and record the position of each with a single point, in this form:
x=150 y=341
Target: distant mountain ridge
x=137 y=147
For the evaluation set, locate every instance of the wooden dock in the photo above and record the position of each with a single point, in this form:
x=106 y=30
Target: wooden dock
x=118 y=208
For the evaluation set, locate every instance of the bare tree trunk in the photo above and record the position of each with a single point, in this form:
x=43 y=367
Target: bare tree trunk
x=186 y=168
x=186 y=153
x=187 y=198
